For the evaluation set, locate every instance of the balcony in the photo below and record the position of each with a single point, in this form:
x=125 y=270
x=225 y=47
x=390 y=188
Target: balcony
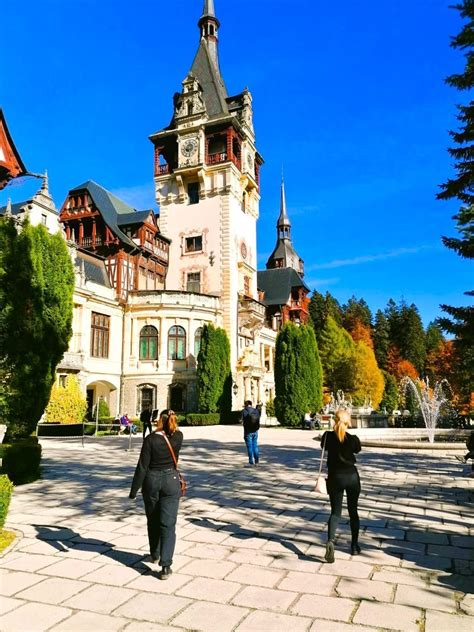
x=90 y=242
x=71 y=362
x=214 y=159
x=162 y=170
x=251 y=313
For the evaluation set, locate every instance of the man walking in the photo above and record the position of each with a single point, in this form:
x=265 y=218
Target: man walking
x=145 y=418
x=251 y=421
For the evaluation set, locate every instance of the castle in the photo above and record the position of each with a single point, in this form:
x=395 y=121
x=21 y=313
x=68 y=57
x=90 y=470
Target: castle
x=147 y=284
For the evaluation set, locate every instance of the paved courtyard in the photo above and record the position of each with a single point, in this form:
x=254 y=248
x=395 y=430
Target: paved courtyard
x=250 y=543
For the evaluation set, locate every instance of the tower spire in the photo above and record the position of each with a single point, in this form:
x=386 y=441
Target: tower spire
x=208 y=23
x=283 y=223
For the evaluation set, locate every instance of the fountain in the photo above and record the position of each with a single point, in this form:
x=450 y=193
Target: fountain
x=429 y=399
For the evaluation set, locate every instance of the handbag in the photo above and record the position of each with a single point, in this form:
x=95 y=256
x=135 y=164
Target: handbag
x=320 y=486
x=182 y=482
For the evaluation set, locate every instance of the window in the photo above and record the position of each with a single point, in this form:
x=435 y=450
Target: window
x=193 y=192
x=100 y=328
x=176 y=343
x=246 y=286
x=197 y=341
x=62 y=380
x=193 y=244
x=193 y=282
x=44 y=219
x=149 y=343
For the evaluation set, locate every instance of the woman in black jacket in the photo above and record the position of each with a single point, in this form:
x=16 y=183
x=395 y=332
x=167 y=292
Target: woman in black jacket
x=342 y=476
x=157 y=476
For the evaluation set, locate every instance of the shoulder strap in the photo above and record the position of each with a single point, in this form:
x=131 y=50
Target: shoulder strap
x=322 y=453
x=170 y=448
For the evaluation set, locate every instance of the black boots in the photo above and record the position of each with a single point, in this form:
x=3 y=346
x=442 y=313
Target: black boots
x=355 y=549
x=329 y=556
x=165 y=572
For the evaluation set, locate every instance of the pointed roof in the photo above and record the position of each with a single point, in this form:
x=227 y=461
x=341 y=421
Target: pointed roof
x=205 y=67
x=284 y=255
x=283 y=219
x=208 y=10
x=11 y=164
x=109 y=206
x=278 y=283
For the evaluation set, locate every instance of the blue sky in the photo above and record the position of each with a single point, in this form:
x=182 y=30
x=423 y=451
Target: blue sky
x=348 y=97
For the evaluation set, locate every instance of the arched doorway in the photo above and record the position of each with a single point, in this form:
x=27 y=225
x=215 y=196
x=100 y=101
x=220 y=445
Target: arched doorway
x=177 y=397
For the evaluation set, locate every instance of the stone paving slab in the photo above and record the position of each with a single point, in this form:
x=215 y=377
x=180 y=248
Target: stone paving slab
x=250 y=549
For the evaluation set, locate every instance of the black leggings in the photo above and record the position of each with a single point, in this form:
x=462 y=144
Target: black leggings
x=337 y=484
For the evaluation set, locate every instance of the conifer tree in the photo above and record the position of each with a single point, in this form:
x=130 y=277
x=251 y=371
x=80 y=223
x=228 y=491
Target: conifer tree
x=356 y=311
x=368 y=378
x=460 y=320
x=320 y=307
x=381 y=337
x=298 y=375
x=337 y=356
x=391 y=395
x=213 y=371
x=36 y=287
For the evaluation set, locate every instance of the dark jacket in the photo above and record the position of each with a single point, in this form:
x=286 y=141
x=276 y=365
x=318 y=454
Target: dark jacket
x=340 y=455
x=251 y=419
x=155 y=455
x=145 y=416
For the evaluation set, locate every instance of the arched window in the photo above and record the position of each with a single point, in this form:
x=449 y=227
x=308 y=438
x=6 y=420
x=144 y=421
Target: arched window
x=149 y=343
x=197 y=342
x=176 y=343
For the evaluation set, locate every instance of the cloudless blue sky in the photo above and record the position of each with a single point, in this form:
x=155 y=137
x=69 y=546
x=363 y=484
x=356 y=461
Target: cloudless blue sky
x=348 y=96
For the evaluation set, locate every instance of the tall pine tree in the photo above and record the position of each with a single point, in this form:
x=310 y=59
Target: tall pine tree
x=460 y=320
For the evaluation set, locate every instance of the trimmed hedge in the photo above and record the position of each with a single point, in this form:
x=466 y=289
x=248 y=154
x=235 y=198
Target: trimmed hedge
x=231 y=418
x=63 y=430
x=21 y=461
x=203 y=419
x=6 y=490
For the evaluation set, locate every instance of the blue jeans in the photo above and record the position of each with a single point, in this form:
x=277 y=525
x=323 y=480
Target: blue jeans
x=252 y=447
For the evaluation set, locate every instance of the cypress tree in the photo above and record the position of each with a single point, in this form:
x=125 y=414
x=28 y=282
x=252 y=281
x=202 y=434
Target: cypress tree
x=298 y=374
x=213 y=376
x=287 y=408
x=37 y=284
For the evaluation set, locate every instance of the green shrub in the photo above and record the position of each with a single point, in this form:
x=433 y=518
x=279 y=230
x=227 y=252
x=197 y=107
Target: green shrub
x=63 y=430
x=22 y=461
x=6 y=490
x=202 y=419
x=104 y=410
x=67 y=404
x=270 y=408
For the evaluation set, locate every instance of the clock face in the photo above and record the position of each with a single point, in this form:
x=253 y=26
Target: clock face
x=189 y=147
x=243 y=250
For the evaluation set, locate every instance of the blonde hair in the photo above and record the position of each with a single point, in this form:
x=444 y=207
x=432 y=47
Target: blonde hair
x=168 y=422
x=342 y=423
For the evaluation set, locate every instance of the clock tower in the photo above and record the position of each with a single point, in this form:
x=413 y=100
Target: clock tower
x=207 y=181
